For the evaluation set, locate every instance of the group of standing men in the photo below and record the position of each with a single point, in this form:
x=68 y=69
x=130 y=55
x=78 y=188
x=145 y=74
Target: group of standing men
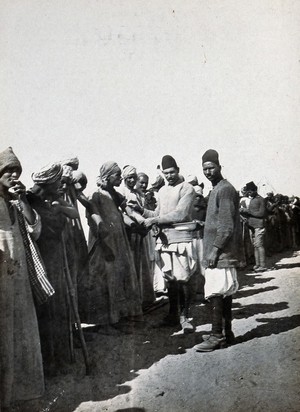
x=113 y=287
x=222 y=251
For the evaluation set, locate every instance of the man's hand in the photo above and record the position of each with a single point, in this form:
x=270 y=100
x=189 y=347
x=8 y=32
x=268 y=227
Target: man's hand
x=149 y=222
x=244 y=211
x=133 y=204
x=18 y=189
x=213 y=258
x=56 y=207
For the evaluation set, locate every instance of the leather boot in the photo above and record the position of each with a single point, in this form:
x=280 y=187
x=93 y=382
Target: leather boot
x=185 y=300
x=216 y=339
x=172 y=319
x=217 y=314
x=227 y=318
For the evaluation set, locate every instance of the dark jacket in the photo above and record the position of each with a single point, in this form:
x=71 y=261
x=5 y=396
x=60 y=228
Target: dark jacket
x=222 y=226
x=256 y=212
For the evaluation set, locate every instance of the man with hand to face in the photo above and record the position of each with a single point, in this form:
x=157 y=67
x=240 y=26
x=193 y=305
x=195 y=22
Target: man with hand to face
x=222 y=252
x=177 y=257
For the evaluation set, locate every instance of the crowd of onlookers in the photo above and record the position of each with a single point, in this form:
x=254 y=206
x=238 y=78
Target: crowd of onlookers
x=110 y=279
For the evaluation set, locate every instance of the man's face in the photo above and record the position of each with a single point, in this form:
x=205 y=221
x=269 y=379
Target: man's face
x=142 y=183
x=9 y=176
x=131 y=181
x=211 y=171
x=171 y=175
x=251 y=193
x=115 y=179
x=54 y=189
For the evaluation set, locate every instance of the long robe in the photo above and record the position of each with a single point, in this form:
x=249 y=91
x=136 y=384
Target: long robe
x=54 y=315
x=21 y=368
x=110 y=289
x=139 y=244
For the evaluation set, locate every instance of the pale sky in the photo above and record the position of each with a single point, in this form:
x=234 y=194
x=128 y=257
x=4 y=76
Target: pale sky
x=133 y=80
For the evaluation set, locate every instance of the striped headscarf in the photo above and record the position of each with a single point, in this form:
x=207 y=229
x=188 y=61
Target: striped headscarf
x=128 y=170
x=106 y=170
x=48 y=174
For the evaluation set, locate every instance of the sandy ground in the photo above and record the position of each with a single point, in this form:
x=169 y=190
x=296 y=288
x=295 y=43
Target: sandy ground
x=152 y=369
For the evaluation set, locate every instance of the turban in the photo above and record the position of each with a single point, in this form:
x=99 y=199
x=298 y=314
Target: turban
x=127 y=171
x=48 y=174
x=159 y=182
x=192 y=179
x=79 y=177
x=211 y=156
x=167 y=162
x=142 y=174
x=251 y=186
x=67 y=172
x=73 y=162
x=9 y=159
x=198 y=189
x=107 y=170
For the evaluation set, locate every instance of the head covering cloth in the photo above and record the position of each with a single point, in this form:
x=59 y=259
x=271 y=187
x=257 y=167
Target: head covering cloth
x=211 y=156
x=159 y=182
x=73 y=162
x=48 y=174
x=142 y=174
x=192 y=179
x=106 y=170
x=9 y=159
x=67 y=173
x=79 y=177
x=198 y=189
x=128 y=171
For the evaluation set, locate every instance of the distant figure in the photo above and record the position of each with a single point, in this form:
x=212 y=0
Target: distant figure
x=255 y=213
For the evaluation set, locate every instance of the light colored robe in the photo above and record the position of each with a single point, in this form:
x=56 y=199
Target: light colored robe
x=110 y=290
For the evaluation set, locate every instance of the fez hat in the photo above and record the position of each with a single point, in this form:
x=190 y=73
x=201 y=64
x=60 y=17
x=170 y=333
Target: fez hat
x=167 y=162
x=212 y=156
x=251 y=186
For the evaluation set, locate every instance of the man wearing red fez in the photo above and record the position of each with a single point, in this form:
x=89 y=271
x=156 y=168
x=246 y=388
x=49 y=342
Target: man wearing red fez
x=221 y=252
x=177 y=257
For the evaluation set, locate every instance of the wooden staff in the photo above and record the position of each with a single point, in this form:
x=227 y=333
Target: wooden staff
x=72 y=299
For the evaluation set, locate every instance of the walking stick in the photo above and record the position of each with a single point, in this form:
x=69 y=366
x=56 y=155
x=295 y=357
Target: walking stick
x=70 y=325
x=74 y=308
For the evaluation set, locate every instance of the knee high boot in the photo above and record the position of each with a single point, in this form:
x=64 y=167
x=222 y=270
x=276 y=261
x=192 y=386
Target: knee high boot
x=185 y=296
x=215 y=340
x=173 y=298
x=227 y=318
x=217 y=314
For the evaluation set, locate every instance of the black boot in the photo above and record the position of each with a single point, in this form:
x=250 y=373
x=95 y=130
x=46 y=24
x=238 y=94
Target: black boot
x=172 y=319
x=185 y=302
x=216 y=338
x=217 y=315
x=227 y=317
